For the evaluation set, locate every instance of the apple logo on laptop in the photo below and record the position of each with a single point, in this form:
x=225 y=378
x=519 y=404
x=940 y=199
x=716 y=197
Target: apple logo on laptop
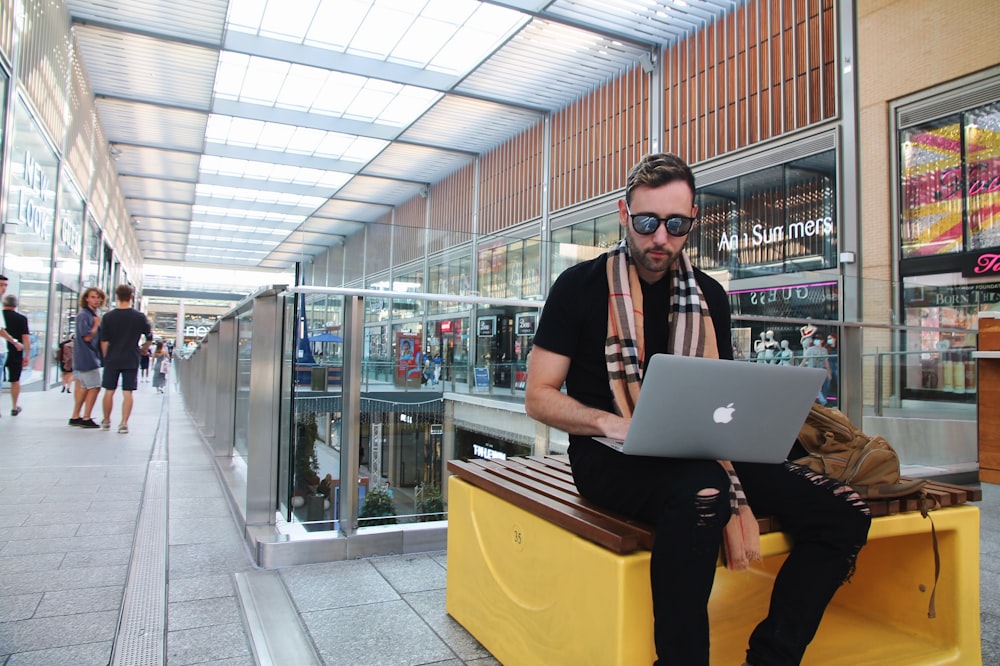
x=723 y=414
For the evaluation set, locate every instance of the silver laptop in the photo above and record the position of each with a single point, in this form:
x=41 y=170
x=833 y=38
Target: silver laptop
x=714 y=409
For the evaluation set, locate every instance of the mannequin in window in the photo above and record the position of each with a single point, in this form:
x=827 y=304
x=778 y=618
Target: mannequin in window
x=771 y=349
x=758 y=348
x=786 y=354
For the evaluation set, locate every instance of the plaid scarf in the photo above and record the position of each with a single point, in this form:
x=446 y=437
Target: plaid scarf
x=691 y=333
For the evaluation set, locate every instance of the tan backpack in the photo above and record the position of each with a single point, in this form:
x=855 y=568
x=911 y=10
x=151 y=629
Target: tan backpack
x=839 y=449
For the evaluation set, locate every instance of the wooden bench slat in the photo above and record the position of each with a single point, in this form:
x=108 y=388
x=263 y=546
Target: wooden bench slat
x=603 y=532
x=571 y=498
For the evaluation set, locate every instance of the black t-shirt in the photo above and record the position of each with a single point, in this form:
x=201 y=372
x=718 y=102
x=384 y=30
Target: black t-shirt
x=574 y=323
x=17 y=327
x=121 y=329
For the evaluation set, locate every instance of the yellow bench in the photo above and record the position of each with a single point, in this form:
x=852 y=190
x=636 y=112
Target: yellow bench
x=534 y=592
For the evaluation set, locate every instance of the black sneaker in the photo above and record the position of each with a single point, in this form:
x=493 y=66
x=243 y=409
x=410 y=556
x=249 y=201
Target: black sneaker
x=88 y=423
x=75 y=422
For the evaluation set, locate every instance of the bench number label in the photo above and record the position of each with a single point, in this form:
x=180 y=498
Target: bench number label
x=517 y=536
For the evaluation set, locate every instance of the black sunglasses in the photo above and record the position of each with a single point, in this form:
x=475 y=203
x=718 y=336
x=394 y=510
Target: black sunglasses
x=647 y=223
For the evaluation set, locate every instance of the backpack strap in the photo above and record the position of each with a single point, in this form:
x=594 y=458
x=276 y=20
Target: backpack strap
x=927 y=504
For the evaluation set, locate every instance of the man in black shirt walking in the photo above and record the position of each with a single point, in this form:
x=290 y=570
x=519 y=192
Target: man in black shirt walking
x=18 y=355
x=119 y=334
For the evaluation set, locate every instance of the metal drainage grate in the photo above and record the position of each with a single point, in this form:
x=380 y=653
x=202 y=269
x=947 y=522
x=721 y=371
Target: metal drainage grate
x=140 y=640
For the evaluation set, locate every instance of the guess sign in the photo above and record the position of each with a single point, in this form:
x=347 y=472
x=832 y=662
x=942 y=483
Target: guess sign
x=987 y=263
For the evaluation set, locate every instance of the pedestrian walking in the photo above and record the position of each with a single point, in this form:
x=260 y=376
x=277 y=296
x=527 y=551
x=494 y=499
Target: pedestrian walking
x=119 y=335
x=18 y=350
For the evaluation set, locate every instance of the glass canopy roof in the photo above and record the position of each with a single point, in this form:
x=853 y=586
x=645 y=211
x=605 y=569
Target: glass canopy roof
x=278 y=127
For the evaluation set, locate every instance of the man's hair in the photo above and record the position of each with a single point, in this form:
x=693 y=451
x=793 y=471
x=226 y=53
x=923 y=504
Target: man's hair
x=656 y=169
x=87 y=292
x=3 y=277
x=10 y=301
x=124 y=292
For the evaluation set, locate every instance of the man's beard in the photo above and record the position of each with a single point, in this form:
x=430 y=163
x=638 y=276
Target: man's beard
x=642 y=257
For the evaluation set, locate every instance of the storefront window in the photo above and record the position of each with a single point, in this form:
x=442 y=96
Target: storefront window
x=939 y=357
x=492 y=270
x=28 y=229
x=405 y=308
x=377 y=309
x=451 y=277
x=785 y=344
x=91 y=254
x=511 y=269
x=582 y=241
x=69 y=252
x=983 y=175
x=449 y=338
x=950 y=184
x=778 y=220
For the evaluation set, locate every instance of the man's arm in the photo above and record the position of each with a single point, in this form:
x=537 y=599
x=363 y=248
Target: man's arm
x=25 y=350
x=544 y=400
x=11 y=339
x=147 y=336
x=104 y=348
x=87 y=337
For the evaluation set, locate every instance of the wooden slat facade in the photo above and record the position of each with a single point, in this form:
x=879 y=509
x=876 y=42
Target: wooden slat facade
x=767 y=69
x=451 y=204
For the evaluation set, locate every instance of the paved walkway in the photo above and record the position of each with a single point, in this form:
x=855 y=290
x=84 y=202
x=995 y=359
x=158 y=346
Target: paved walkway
x=122 y=548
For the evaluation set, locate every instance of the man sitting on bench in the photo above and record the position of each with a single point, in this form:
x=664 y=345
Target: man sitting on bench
x=594 y=342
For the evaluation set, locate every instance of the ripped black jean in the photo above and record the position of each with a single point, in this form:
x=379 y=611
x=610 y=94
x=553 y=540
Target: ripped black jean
x=688 y=502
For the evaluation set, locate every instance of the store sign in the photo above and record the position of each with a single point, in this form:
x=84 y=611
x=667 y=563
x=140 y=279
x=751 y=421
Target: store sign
x=30 y=210
x=70 y=233
x=982 y=265
x=488 y=452
x=760 y=235
x=526 y=324
x=972 y=295
x=195 y=331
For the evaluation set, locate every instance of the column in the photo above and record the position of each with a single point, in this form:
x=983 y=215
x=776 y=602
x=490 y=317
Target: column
x=988 y=398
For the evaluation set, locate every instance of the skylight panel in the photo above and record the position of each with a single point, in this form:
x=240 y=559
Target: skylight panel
x=263 y=81
x=336 y=22
x=282 y=173
x=240 y=194
x=245 y=15
x=230 y=74
x=424 y=38
x=382 y=28
x=369 y=104
x=363 y=149
x=288 y=138
x=305 y=140
x=339 y=91
x=288 y=20
x=275 y=136
x=244 y=132
x=407 y=106
x=480 y=34
x=451 y=11
x=301 y=87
